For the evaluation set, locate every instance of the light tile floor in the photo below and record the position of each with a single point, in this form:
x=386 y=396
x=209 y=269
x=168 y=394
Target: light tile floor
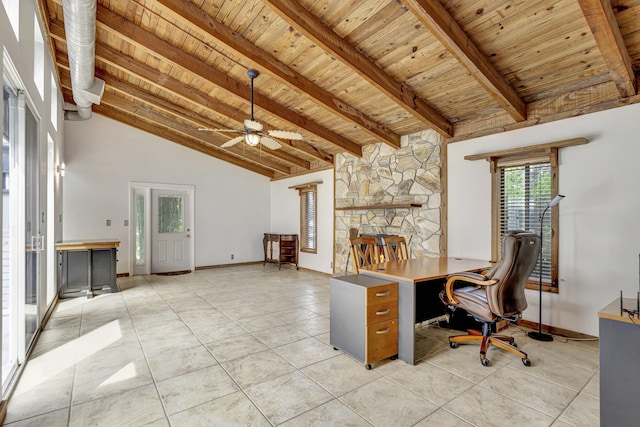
x=249 y=345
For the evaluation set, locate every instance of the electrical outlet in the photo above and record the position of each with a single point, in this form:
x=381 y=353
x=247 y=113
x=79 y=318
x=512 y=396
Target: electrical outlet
x=232 y=256
x=108 y=223
x=126 y=222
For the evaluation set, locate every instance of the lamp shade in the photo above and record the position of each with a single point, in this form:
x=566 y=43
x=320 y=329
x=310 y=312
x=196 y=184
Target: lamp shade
x=555 y=201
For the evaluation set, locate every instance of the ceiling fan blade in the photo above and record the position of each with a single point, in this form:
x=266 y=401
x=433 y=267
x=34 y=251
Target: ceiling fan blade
x=232 y=141
x=270 y=143
x=253 y=125
x=285 y=134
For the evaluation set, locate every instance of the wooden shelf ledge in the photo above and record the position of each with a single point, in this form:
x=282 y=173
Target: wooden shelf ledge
x=372 y=207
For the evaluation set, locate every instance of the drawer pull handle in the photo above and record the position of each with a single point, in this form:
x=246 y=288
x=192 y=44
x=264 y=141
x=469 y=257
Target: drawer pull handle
x=383 y=312
x=383 y=294
x=384 y=331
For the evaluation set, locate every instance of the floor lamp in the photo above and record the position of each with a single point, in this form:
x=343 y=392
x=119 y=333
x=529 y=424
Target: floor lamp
x=540 y=336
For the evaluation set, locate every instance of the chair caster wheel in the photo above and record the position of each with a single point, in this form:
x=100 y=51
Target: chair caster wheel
x=513 y=344
x=526 y=361
x=394 y=357
x=367 y=367
x=335 y=349
x=453 y=344
x=485 y=362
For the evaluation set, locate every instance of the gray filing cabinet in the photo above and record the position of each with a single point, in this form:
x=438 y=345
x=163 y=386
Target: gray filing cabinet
x=619 y=367
x=364 y=317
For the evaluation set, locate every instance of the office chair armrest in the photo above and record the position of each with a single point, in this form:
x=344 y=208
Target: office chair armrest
x=468 y=277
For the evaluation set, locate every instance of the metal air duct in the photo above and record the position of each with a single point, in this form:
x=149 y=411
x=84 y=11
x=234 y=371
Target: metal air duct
x=80 y=29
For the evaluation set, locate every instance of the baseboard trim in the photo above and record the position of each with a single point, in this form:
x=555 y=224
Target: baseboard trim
x=3 y=411
x=554 y=330
x=288 y=266
x=49 y=312
x=236 y=264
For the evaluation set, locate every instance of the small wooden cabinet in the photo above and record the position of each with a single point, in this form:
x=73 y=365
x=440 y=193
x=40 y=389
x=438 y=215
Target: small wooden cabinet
x=280 y=249
x=364 y=317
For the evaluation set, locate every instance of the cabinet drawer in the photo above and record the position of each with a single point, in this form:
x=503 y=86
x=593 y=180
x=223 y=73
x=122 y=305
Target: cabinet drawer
x=381 y=312
x=382 y=340
x=382 y=293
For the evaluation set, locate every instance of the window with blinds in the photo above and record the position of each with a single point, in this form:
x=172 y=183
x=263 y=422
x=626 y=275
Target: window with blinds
x=308 y=218
x=525 y=192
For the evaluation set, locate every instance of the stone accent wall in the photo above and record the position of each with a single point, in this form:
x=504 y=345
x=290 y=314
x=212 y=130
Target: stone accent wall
x=383 y=175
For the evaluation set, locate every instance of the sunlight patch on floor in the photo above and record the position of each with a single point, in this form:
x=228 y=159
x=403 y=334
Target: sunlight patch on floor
x=53 y=362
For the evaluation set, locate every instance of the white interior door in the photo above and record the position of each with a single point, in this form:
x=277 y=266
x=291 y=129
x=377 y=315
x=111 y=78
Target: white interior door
x=171 y=231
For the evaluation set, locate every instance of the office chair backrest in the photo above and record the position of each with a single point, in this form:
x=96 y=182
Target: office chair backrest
x=364 y=251
x=395 y=247
x=519 y=257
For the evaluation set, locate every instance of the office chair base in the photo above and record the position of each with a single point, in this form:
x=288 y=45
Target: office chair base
x=502 y=341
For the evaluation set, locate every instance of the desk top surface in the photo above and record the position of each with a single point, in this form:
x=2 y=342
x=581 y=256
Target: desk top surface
x=87 y=244
x=423 y=269
x=612 y=311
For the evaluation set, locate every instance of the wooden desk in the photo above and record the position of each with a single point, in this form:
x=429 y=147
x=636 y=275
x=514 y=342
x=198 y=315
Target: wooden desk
x=619 y=373
x=419 y=283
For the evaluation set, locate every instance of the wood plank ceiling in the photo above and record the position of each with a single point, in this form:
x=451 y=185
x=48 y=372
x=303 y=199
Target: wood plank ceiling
x=346 y=74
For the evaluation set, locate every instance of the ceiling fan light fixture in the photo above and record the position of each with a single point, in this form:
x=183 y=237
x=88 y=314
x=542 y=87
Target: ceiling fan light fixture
x=252 y=139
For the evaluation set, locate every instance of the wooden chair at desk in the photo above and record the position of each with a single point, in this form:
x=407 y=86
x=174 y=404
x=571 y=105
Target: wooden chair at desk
x=395 y=248
x=364 y=251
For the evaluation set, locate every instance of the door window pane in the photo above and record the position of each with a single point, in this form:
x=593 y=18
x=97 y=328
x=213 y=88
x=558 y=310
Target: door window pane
x=140 y=250
x=9 y=312
x=33 y=237
x=169 y=214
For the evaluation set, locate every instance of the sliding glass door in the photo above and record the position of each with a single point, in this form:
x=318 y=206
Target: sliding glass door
x=33 y=238
x=22 y=225
x=9 y=292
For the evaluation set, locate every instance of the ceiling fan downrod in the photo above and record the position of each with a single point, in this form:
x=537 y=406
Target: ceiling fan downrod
x=252 y=75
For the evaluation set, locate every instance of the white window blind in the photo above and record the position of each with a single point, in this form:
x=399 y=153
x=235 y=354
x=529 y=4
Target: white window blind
x=308 y=218
x=525 y=191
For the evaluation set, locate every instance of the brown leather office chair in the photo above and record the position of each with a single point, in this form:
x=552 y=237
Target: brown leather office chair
x=498 y=294
x=395 y=247
x=364 y=251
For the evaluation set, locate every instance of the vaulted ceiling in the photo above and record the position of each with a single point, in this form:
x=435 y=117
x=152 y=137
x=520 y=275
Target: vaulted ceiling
x=346 y=74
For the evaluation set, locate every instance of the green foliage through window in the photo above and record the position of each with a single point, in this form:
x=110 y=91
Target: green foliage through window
x=525 y=191
x=170 y=214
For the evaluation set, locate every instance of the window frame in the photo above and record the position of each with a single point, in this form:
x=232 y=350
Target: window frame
x=550 y=155
x=304 y=226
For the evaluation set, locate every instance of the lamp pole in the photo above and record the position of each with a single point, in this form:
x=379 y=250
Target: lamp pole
x=540 y=336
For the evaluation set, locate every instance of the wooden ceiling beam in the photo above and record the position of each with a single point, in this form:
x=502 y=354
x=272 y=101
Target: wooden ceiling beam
x=605 y=30
x=171 y=135
x=169 y=122
x=181 y=113
x=132 y=33
x=143 y=72
x=449 y=33
x=175 y=137
x=192 y=15
x=313 y=28
x=149 y=115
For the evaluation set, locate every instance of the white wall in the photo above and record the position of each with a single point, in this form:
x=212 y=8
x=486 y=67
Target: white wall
x=285 y=216
x=102 y=156
x=599 y=218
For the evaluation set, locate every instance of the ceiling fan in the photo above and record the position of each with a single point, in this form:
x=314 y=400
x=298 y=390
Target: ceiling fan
x=253 y=134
